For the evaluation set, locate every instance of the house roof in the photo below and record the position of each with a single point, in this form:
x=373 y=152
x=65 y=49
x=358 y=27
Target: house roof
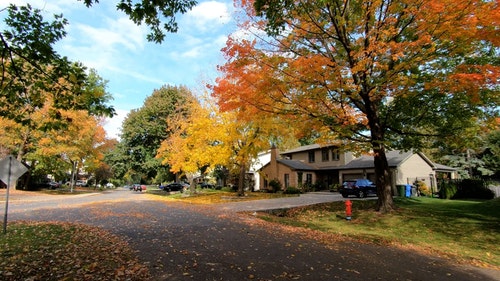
x=296 y=165
x=443 y=168
x=394 y=159
x=307 y=148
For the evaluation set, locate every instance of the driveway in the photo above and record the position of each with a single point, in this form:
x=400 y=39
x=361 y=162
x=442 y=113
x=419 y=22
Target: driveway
x=191 y=242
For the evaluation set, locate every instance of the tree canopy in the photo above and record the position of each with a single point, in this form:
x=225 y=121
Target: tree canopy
x=31 y=71
x=384 y=74
x=145 y=128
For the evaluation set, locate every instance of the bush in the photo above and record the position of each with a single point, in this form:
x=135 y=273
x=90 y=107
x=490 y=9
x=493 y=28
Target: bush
x=447 y=189
x=423 y=188
x=275 y=186
x=334 y=187
x=292 y=190
x=473 y=189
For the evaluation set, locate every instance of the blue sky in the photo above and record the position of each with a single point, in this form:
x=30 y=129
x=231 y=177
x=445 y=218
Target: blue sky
x=105 y=39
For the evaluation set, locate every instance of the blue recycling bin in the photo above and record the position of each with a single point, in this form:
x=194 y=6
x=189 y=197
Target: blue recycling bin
x=408 y=190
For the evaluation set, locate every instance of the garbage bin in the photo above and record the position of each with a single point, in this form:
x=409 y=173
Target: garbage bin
x=408 y=190
x=414 y=191
x=401 y=190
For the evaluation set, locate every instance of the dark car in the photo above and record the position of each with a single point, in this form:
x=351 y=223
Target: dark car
x=176 y=186
x=207 y=185
x=54 y=185
x=358 y=187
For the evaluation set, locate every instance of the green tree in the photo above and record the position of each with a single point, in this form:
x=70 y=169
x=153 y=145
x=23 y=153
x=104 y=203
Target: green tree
x=363 y=69
x=491 y=153
x=145 y=128
x=31 y=70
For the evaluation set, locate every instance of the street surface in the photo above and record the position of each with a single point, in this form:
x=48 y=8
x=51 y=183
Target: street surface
x=192 y=242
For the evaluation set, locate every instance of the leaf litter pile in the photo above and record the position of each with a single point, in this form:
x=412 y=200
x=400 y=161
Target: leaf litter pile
x=66 y=251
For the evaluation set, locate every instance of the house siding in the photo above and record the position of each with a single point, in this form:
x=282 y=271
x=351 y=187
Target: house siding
x=303 y=156
x=413 y=168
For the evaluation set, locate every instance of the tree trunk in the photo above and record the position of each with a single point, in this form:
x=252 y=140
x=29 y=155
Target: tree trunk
x=241 y=180
x=385 y=203
x=192 y=184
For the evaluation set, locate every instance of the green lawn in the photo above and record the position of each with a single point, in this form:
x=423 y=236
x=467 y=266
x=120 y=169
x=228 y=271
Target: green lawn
x=467 y=231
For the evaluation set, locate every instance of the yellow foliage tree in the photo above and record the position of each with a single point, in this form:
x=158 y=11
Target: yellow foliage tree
x=207 y=138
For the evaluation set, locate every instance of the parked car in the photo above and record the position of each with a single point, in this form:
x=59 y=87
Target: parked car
x=176 y=186
x=54 y=185
x=207 y=185
x=81 y=183
x=138 y=187
x=357 y=187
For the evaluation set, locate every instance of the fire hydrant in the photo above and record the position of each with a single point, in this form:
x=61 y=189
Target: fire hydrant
x=348 y=210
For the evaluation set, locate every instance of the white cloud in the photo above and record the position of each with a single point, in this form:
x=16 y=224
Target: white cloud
x=117 y=33
x=113 y=125
x=207 y=14
x=137 y=75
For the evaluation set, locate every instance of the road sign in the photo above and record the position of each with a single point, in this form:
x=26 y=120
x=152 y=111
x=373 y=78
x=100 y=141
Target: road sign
x=11 y=169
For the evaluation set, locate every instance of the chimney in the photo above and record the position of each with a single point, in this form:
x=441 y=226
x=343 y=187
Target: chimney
x=273 y=173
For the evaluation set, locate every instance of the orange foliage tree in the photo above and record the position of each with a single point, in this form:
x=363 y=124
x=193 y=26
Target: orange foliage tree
x=380 y=73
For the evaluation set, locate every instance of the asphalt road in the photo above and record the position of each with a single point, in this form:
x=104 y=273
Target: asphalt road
x=189 y=242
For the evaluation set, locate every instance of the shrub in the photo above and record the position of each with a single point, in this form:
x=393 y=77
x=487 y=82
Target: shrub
x=275 y=186
x=473 y=189
x=292 y=190
x=334 y=187
x=423 y=188
x=447 y=189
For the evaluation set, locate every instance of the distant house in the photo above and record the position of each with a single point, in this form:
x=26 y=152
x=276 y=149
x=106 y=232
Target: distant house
x=253 y=175
x=305 y=165
x=327 y=165
x=406 y=168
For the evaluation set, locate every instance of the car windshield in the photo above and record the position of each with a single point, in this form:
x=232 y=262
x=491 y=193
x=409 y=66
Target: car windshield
x=364 y=182
x=359 y=182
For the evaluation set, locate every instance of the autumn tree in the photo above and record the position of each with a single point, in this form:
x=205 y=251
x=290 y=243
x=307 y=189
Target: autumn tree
x=75 y=146
x=208 y=138
x=29 y=126
x=382 y=74
x=196 y=141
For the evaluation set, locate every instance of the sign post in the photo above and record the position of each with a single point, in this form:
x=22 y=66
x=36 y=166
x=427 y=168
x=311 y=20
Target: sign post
x=10 y=171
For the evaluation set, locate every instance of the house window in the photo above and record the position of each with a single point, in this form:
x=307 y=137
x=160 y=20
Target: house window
x=309 y=179
x=325 y=152
x=335 y=155
x=287 y=180
x=311 y=156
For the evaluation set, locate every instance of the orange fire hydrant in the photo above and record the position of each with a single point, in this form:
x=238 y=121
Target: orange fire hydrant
x=348 y=210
